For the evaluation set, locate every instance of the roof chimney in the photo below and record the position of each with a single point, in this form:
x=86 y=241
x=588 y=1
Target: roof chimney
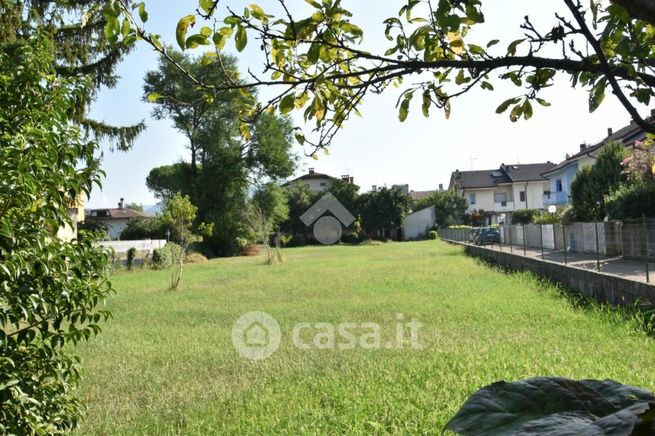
x=583 y=146
x=352 y=180
x=441 y=186
x=610 y=132
x=311 y=171
x=374 y=188
x=121 y=204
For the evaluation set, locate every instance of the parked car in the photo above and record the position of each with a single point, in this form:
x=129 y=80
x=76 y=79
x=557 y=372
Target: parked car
x=487 y=235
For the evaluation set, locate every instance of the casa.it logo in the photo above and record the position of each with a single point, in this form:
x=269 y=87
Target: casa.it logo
x=256 y=335
x=327 y=228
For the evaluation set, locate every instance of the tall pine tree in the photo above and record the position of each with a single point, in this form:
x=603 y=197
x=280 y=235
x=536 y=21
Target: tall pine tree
x=82 y=50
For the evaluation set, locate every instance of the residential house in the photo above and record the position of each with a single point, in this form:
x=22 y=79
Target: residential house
x=502 y=191
x=76 y=213
x=562 y=175
x=319 y=182
x=115 y=219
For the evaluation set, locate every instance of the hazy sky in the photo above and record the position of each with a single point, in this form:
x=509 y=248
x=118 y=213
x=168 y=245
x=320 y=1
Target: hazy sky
x=376 y=149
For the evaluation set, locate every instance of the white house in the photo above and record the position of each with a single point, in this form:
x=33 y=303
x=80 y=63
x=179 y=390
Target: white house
x=503 y=190
x=319 y=182
x=115 y=219
x=561 y=176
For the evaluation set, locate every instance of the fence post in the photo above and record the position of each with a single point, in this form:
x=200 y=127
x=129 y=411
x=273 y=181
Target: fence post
x=564 y=238
x=541 y=233
x=500 y=240
x=524 y=241
x=645 y=227
x=511 y=249
x=597 y=247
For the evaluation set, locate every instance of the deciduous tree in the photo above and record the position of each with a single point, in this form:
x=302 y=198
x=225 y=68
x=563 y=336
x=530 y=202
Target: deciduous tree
x=321 y=65
x=51 y=288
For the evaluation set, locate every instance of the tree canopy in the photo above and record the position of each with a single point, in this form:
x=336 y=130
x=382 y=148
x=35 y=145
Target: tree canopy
x=83 y=49
x=223 y=163
x=321 y=65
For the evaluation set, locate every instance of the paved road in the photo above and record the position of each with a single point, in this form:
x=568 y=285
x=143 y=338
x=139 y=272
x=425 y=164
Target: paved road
x=630 y=269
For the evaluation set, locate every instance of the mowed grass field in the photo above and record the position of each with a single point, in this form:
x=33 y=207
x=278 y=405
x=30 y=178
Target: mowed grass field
x=165 y=364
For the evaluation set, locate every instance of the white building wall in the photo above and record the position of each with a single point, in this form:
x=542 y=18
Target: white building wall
x=317 y=185
x=418 y=224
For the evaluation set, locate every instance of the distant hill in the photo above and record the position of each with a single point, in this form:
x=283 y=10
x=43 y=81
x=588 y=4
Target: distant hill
x=153 y=209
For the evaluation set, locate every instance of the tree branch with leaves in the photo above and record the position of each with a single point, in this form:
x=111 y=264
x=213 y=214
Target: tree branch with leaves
x=323 y=68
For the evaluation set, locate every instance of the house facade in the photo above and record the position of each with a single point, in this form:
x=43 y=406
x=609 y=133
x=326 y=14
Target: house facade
x=561 y=176
x=68 y=232
x=115 y=219
x=318 y=182
x=502 y=191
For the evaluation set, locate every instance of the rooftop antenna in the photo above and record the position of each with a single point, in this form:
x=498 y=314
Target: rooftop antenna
x=472 y=159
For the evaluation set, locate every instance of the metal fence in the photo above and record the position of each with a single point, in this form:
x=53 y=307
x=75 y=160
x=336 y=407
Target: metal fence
x=624 y=248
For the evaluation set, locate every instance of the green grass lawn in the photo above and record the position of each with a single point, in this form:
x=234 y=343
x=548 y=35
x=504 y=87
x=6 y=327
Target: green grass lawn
x=166 y=364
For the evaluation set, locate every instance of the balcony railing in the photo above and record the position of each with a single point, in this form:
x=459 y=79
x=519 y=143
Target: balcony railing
x=556 y=199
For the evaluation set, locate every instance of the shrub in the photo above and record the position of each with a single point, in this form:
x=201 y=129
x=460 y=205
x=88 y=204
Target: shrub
x=632 y=200
x=297 y=240
x=350 y=238
x=164 y=257
x=194 y=257
x=523 y=216
x=131 y=254
x=544 y=217
x=432 y=235
x=144 y=228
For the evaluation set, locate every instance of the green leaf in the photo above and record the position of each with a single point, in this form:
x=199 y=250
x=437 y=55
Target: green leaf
x=194 y=41
x=314 y=53
x=542 y=102
x=492 y=43
x=597 y=95
x=550 y=405
x=288 y=103
x=206 y=5
x=527 y=109
x=143 y=14
x=511 y=48
x=505 y=105
x=314 y=3
x=241 y=38
x=182 y=29
x=300 y=138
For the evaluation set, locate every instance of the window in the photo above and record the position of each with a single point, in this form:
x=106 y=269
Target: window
x=471 y=198
x=522 y=196
x=501 y=198
x=558 y=185
x=323 y=183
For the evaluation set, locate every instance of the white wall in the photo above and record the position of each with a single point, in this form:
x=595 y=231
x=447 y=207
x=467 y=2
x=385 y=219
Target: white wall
x=123 y=246
x=418 y=224
x=315 y=184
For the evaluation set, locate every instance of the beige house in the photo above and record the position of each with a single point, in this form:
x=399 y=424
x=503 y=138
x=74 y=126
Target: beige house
x=76 y=214
x=318 y=182
x=502 y=191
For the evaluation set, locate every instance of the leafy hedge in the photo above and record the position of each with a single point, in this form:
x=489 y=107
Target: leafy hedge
x=632 y=200
x=164 y=257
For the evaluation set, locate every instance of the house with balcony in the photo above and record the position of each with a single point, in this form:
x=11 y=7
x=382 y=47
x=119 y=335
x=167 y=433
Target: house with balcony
x=562 y=175
x=499 y=192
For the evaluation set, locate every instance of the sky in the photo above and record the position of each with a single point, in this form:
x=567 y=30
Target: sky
x=376 y=149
